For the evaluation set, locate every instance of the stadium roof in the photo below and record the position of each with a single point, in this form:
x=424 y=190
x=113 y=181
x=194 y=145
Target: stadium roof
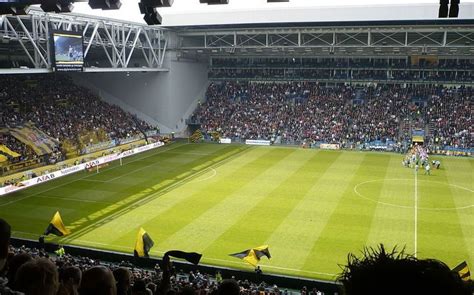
x=248 y=12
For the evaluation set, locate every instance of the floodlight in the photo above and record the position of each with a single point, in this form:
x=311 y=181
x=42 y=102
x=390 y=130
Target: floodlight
x=454 y=8
x=443 y=8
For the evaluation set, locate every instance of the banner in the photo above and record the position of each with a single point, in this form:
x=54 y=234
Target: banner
x=98 y=147
x=257 y=142
x=329 y=146
x=70 y=170
x=36 y=139
x=225 y=140
x=130 y=139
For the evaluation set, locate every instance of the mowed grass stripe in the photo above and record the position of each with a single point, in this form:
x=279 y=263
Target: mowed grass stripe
x=181 y=206
x=203 y=230
x=70 y=180
x=135 y=199
x=293 y=240
x=454 y=227
x=272 y=212
x=348 y=225
x=33 y=215
x=461 y=174
x=269 y=212
x=392 y=225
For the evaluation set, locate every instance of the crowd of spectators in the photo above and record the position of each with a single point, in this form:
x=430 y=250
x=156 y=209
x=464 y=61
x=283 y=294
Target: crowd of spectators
x=61 y=108
x=16 y=146
x=339 y=74
x=306 y=111
x=449 y=114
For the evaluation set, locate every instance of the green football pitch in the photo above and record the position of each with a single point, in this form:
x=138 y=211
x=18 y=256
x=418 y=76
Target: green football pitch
x=312 y=207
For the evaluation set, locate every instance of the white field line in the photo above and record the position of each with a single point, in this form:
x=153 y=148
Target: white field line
x=85 y=177
x=214 y=173
x=146 y=199
x=411 y=207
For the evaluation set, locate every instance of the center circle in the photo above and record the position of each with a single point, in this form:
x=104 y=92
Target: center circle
x=431 y=195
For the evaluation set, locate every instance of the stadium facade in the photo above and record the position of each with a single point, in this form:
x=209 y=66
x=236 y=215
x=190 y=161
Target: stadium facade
x=161 y=73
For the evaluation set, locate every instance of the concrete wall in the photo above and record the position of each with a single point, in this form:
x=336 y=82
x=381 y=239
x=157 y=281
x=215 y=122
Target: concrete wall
x=164 y=99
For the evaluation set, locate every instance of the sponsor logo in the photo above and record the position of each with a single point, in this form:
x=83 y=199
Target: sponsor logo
x=46 y=177
x=92 y=164
x=70 y=170
x=128 y=153
x=257 y=142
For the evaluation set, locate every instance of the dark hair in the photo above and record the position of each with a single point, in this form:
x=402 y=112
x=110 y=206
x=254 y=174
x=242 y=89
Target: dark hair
x=14 y=263
x=228 y=287
x=70 y=272
x=37 y=277
x=97 y=280
x=395 y=272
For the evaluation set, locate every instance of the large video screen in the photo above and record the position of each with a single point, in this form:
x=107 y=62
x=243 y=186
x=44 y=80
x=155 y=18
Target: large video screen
x=68 y=52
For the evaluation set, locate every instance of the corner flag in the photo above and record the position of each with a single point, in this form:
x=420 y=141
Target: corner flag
x=56 y=226
x=143 y=244
x=252 y=256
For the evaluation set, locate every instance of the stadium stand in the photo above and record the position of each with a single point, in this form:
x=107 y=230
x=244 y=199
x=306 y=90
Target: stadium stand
x=62 y=109
x=46 y=115
x=296 y=112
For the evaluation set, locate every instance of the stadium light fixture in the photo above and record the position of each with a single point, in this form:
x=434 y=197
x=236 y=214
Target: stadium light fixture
x=152 y=17
x=214 y=2
x=157 y=3
x=14 y=10
x=51 y=6
x=148 y=8
x=105 y=4
x=443 y=8
x=454 y=8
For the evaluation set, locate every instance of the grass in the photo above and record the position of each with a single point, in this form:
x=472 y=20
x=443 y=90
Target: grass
x=312 y=207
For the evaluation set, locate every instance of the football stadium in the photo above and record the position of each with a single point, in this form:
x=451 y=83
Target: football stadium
x=236 y=147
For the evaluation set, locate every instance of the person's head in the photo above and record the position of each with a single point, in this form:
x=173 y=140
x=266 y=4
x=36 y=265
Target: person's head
x=122 y=276
x=139 y=287
x=37 y=277
x=228 y=287
x=395 y=272
x=14 y=264
x=98 y=280
x=70 y=278
x=5 y=233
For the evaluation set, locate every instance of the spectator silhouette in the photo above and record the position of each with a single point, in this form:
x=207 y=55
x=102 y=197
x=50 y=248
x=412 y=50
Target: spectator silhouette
x=38 y=277
x=14 y=264
x=98 y=280
x=122 y=277
x=228 y=287
x=70 y=279
x=395 y=272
